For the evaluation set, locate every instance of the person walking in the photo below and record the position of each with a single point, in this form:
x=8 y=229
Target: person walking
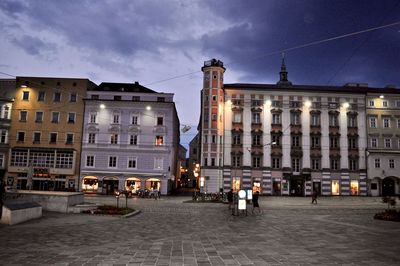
x=314 y=197
x=255 y=202
x=230 y=198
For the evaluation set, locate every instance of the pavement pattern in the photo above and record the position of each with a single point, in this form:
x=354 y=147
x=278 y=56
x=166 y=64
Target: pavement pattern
x=169 y=231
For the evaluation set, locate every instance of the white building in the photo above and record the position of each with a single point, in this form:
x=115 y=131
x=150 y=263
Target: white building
x=130 y=139
x=282 y=139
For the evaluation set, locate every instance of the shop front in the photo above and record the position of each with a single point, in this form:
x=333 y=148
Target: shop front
x=335 y=189
x=297 y=186
x=153 y=184
x=133 y=184
x=90 y=184
x=354 y=188
x=110 y=185
x=276 y=187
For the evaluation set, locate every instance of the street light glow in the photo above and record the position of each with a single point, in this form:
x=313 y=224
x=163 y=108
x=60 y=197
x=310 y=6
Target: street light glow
x=148 y=108
x=307 y=103
x=102 y=106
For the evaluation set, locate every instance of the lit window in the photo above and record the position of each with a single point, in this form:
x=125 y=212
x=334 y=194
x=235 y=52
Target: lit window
x=159 y=140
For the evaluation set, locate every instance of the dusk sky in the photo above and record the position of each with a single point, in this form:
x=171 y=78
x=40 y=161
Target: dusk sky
x=159 y=43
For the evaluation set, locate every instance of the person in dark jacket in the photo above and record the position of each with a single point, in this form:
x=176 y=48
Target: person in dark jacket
x=230 y=198
x=314 y=197
x=255 y=202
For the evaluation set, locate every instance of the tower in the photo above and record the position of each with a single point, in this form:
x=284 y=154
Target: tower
x=212 y=126
x=283 y=74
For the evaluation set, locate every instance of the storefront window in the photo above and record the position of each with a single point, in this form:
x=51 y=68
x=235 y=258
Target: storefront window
x=335 y=187
x=153 y=183
x=236 y=184
x=354 y=187
x=132 y=185
x=90 y=184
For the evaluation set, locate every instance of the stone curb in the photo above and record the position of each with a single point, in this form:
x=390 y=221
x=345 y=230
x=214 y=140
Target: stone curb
x=130 y=214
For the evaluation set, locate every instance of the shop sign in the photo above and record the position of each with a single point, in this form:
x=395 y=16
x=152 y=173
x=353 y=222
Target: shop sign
x=249 y=194
x=242 y=204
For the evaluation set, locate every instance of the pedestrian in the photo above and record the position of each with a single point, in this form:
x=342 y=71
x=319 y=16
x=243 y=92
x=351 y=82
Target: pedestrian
x=230 y=198
x=2 y=195
x=255 y=202
x=314 y=197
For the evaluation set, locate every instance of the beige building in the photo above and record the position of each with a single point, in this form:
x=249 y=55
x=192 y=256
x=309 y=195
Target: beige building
x=383 y=127
x=45 y=135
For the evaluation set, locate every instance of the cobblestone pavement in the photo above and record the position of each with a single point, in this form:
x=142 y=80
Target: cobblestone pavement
x=289 y=231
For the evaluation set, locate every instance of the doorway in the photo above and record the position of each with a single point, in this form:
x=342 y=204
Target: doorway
x=388 y=187
x=316 y=186
x=110 y=186
x=296 y=186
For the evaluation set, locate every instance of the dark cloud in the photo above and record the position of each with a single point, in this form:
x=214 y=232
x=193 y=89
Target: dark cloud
x=12 y=7
x=34 y=45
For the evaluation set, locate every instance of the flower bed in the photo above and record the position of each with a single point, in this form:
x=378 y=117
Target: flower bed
x=388 y=215
x=109 y=210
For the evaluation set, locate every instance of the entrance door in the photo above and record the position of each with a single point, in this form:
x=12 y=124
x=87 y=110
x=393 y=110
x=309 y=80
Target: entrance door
x=388 y=187
x=297 y=186
x=276 y=188
x=317 y=187
x=111 y=186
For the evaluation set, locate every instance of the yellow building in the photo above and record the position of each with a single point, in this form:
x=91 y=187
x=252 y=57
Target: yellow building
x=45 y=135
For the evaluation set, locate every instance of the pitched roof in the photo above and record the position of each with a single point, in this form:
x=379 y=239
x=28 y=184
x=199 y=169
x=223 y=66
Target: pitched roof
x=123 y=87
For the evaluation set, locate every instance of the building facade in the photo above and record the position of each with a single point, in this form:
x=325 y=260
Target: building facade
x=130 y=139
x=283 y=139
x=383 y=155
x=45 y=134
x=194 y=158
x=7 y=92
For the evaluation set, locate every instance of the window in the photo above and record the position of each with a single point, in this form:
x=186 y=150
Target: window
x=41 y=96
x=55 y=117
x=160 y=120
x=132 y=162
x=72 y=97
x=214 y=139
x=5 y=112
x=276 y=139
x=391 y=163
x=385 y=103
x=276 y=118
x=294 y=104
x=90 y=161
x=71 y=118
x=92 y=138
x=160 y=99
x=136 y=98
x=397 y=103
x=159 y=140
x=36 y=137
x=1 y=160
x=205 y=162
x=25 y=95
x=276 y=162
x=371 y=103
x=256 y=161
x=94 y=97
x=374 y=143
x=53 y=138
x=20 y=136
x=23 y=116
x=295 y=141
x=295 y=118
x=386 y=122
x=158 y=163
x=256 y=118
x=19 y=158
x=352 y=121
x=315 y=142
x=296 y=165
x=205 y=139
x=398 y=123
x=114 y=139
x=93 y=117
x=133 y=140
x=256 y=139
x=353 y=143
x=116 y=119
x=214 y=117
x=333 y=120
x=377 y=163
x=276 y=103
x=334 y=164
x=135 y=120
x=388 y=143
x=236 y=161
x=117 y=98
x=39 y=117
x=255 y=103
x=70 y=138
x=236 y=139
x=112 y=161
x=3 y=136
x=237 y=117
x=212 y=161
x=372 y=122
x=334 y=142
x=315 y=164
x=353 y=164
x=315 y=119
x=57 y=97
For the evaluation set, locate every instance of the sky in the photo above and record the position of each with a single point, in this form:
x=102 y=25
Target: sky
x=164 y=43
